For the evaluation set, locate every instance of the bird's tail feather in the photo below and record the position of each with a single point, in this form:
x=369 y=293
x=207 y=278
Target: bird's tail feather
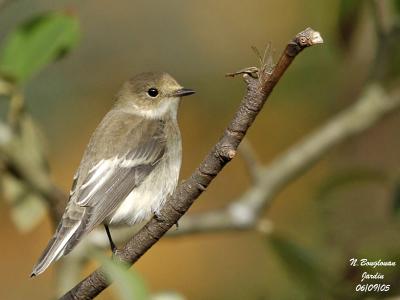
x=55 y=248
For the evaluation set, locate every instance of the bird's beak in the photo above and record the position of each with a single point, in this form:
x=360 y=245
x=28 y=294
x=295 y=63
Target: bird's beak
x=183 y=92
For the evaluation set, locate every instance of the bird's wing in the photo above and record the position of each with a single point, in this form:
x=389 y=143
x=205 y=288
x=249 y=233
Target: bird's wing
x=113 y=165
x=111 y=179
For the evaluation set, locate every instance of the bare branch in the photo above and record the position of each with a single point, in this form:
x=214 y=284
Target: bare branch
x=187 y=192
x=244 y=212
x=250 y=158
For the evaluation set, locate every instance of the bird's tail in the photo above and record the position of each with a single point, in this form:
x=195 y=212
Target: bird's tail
x=55 y=248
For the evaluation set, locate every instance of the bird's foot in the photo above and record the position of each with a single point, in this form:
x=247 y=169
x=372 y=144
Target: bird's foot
x=113 y=249
x=158 y=216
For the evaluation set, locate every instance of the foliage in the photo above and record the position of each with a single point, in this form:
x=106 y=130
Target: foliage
x=128 y=283
x=36 y=43
x=350 y=177
x=349 y=12
x=299 y=262
x=28 y=49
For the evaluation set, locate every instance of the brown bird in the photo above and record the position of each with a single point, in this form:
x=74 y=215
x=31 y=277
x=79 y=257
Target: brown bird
x=130 y=166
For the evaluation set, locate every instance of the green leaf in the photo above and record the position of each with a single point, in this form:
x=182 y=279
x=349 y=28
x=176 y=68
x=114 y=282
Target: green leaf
x=397 y=5
x=350 y=178
x=128 y=283
x=391 y=63
x=349 y=6
x=300 y=263
x=36 y=43
x=167 y=296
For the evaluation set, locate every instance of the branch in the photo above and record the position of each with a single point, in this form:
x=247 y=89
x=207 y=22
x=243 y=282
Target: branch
x=251 y=159
x=187 y=192
x=244 y=212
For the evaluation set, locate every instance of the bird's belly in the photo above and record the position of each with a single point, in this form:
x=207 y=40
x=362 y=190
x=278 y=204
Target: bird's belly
x=150 y=195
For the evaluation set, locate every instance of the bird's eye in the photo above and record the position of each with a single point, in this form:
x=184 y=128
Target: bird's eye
x=153 y=92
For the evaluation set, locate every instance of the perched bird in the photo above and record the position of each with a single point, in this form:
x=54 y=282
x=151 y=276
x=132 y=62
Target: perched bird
x=130 y=166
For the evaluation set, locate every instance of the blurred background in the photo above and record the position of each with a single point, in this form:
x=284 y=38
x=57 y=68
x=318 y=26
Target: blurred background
x=345 y=206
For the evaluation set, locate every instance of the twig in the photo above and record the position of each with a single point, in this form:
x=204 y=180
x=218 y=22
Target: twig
x=251 y=159
x=186 y=193
x=244 y=212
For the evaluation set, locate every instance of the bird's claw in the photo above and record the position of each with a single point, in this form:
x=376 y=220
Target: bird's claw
x=157 y=216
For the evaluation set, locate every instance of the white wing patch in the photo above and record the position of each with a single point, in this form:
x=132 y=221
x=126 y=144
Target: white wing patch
x=103 y=171
x=97 y=176
x=99 y=169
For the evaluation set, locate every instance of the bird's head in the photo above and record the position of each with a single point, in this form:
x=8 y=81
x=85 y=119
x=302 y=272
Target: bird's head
x=151 y=95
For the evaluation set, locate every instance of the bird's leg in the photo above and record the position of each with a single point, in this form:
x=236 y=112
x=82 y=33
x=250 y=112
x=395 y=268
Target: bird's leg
x=112 y=245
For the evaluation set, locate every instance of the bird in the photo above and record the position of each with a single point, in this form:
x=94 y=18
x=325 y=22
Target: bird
x=130 y=166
